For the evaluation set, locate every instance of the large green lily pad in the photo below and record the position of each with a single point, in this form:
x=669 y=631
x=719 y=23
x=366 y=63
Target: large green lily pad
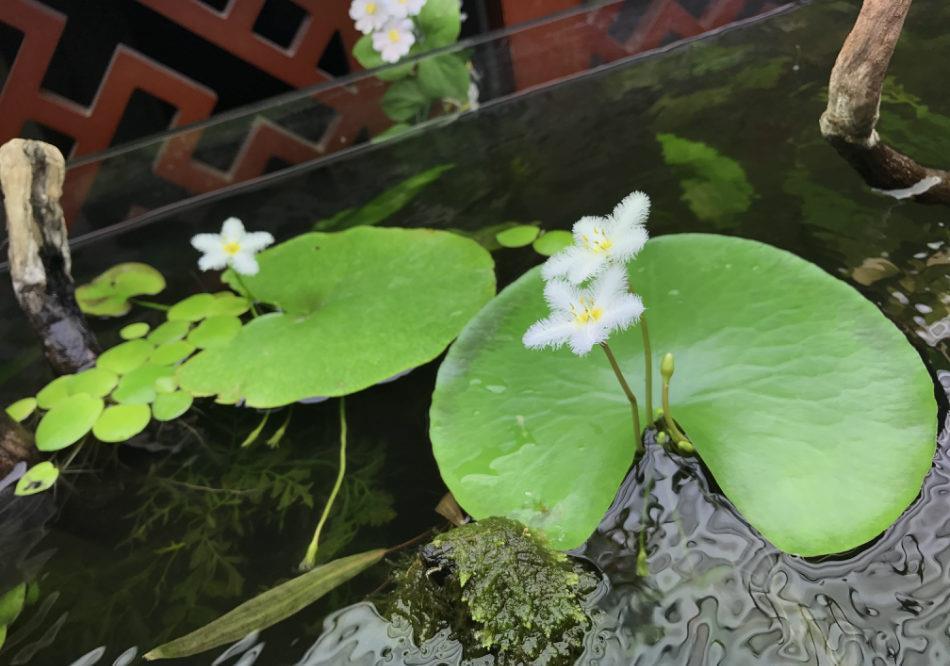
x=357 y=307
x=812 y=411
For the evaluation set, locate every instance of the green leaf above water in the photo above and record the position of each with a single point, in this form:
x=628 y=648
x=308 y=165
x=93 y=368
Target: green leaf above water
x=171 y=352
x=38 y=478
x=125 y=357
x=169 y=406
x=108 y=294
x=357 y=307
x=811 y=410
x=54 y=392
x=518 y=236
x=444 y=77
x=22 y=409
x=404 y=100
x=215 y=332
x=97 y=382
x=268 y=608
x=169 y=332
x=440 y=22
x=67 y=422
x=137 y=330
x=119 y=423
x=552 y=242
x=140 y=386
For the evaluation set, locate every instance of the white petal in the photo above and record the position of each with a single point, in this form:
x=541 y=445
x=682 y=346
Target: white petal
x=560 y=295
x=232 y=230
x=628 y=243
x=214 y=260
x=633 y=210
x=610 y=286
x=244 y=263
x=587 y=265
x=560 y=263
x=623 y=313
x=206 y=242
x=586 y=226
x=586 y=336
x=551 y=332
x=256 y=241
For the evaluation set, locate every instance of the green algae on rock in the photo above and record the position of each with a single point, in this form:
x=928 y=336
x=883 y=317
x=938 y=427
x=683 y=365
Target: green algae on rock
x=501 y=590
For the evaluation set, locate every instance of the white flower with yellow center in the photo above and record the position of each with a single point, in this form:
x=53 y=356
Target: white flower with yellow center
x=370 y=15
x=602 y=241
x=404 y=8
x=394 y=40
x=233 y=247
x=582 y=318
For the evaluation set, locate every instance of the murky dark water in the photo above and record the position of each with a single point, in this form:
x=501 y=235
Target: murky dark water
x=143 y=551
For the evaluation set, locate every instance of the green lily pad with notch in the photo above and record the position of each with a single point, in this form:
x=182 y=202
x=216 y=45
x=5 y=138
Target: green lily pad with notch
x=21 y=410
x=169 y=332
x=812 y=411
x=552 y=242
x=357 y=307
x=171 y=353
x=137 y=330
x=215 y=332
x=169 y=406
x=517 y=236
x=67 y=422
x=54 y=392
x=37 y=479
x=125 y=357
x=119 y=423
x=139 y=387
x=108 y=294
x=97 y=382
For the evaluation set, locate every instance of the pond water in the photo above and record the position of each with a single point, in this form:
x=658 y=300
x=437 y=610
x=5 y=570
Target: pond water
x=146 y=542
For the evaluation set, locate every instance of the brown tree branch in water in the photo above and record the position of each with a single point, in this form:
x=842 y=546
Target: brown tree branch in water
x=854 y=101
x=16 y=444
x=31 y=177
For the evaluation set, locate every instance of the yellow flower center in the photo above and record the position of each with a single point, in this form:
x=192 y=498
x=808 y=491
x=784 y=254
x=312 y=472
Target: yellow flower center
x=371 y=8
x=597 y=241
x=232 y=247
x=394 y=36
x=588 y=312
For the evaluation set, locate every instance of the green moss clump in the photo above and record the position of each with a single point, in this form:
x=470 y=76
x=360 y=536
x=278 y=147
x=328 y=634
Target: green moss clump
x=501 y=589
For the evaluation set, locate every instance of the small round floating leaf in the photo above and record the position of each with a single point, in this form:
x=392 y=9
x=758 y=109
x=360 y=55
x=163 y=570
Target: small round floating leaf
x=169 y=332
x=108 y=295
x=121 y=422
x=812 y=411
x=551 y=242
x=519 y=236
x=54 y=392
x=215 y=332
x=169 y=406
x=171 y=352
x=96 y=382
x=126 y=357
x=343 y=326
x=139 y=386
x=67 y=422
x=193 y=308
x=137 y=330
x=38 y=478
x=167 y=384
x=21 y=409
x=227 y=303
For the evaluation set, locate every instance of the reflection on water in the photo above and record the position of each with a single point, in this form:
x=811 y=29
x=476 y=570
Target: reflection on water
x=709 y=590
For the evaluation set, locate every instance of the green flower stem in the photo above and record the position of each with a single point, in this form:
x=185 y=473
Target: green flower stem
x=682 y=443
x=149 y=304
x=247 y=292
x=310 y=559
x=630 y=396
x=647 y=364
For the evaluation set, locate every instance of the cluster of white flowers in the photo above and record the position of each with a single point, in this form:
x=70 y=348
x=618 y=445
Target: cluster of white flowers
x=585 y=315
x=390 y=24
x=233 y=247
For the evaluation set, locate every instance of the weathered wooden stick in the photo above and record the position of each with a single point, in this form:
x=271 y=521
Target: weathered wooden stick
x=16 y=444
x=31 y=176
x=854 y=102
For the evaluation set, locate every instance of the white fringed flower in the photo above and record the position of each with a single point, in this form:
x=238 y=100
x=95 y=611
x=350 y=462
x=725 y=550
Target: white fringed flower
x=582 y=318
x=602 y=241
x=370 y=15
x=404 y=8
x=394 y=40
x=233 y=247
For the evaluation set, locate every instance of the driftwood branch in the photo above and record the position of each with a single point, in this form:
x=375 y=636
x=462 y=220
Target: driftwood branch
x=16 y=444
x=31 y=176
x=854 y=101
